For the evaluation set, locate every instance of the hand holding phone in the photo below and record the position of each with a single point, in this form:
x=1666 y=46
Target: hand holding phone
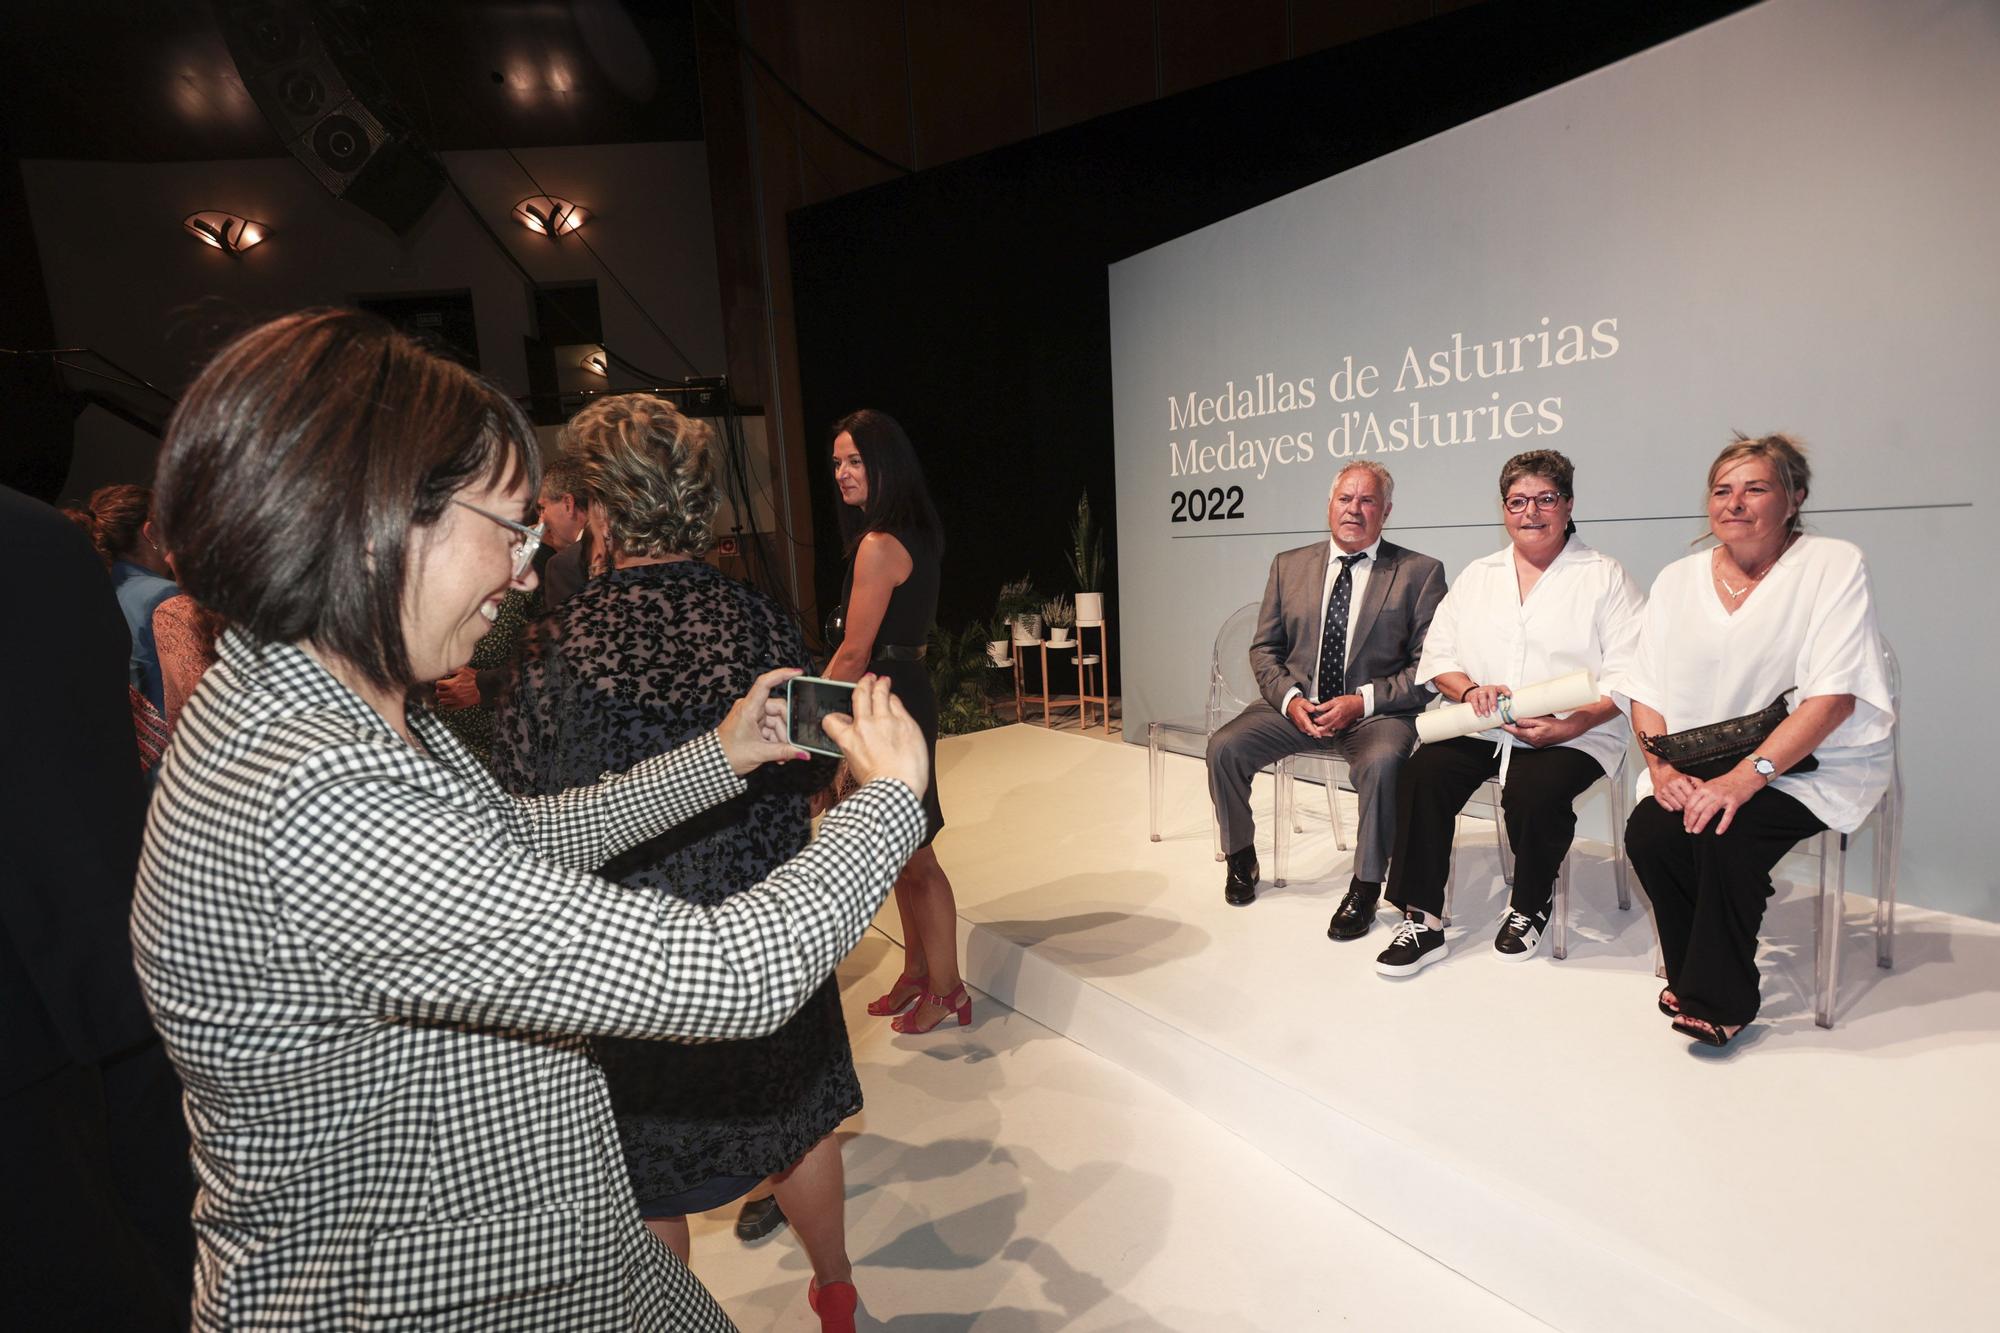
x=754 y=731
x=808 y=702
x=879 y=737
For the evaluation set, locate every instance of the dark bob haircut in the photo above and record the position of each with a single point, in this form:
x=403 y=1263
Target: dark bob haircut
x=898 y=500
x=302 y=463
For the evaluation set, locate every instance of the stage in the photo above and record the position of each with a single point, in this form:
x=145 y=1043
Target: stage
x=1535 y=1127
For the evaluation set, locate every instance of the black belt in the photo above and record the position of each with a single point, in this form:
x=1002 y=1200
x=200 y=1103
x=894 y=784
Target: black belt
x=900 y=652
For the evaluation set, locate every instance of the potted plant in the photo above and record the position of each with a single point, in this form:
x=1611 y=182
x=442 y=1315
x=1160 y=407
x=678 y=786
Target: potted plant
x=999 y=643
x=1059 y=616
x=1086 y=563
x=957 y=680
x=1021 y=606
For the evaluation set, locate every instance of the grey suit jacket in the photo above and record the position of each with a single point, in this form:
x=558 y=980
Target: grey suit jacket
x=1403 y=592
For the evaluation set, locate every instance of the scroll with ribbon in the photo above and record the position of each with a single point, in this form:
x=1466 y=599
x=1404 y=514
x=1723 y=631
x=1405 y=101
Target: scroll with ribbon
x=1550 y=696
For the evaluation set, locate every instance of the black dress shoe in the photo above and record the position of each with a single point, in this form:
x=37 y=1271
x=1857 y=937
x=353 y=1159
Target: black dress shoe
x=759 y=1218
x=1240 y=889
x=1356 y=912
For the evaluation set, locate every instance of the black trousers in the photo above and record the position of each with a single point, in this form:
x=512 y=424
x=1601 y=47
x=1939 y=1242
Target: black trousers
x=1538 y=806
x=1708 y=893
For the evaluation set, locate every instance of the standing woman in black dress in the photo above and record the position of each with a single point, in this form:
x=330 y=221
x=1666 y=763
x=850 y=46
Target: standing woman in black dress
x=894 y=544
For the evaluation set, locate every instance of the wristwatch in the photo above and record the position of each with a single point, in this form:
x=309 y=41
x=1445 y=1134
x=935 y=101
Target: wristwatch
x=1765 y=768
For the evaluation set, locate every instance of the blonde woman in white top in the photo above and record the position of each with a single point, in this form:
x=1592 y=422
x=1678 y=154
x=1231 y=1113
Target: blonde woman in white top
x=1542 y=606
x=1768 y=610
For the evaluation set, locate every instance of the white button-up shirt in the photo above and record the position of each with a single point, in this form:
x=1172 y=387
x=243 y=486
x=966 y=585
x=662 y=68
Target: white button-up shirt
x=1810 y=624
x=1583 y=614
x=1358 y=580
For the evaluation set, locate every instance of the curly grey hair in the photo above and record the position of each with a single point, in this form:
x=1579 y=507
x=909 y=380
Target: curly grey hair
x=651 y=469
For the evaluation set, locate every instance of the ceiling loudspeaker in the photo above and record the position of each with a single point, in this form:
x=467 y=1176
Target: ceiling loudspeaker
x=324 y=120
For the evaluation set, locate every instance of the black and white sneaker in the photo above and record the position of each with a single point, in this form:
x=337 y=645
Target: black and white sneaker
x=1520 y=937
x=1414 y=947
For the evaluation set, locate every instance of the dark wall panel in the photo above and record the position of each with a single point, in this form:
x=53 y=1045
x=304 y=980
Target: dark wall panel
x=1202 y=42
x=1319 y=24
x=850 y=62
x=1091 y=59
x=973 y=83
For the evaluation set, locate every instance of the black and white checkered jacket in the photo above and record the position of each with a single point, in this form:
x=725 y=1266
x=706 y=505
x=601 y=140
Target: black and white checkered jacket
x=378 y=974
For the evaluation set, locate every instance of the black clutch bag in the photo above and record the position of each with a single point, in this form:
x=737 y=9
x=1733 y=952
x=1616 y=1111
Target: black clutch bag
x=1710 y=751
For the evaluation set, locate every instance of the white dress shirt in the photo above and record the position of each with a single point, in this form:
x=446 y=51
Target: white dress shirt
x=1358 y=578
x=1583 y=614
x=1810 y=624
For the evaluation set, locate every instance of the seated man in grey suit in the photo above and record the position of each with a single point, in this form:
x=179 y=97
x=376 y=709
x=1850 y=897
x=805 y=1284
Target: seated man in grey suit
x=1335 y=656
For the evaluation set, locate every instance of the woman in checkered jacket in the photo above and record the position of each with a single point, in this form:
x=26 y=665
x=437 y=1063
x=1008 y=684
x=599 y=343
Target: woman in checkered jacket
x=376 y=972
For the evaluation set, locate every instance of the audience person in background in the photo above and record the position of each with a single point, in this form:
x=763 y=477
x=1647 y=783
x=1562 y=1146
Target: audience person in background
x=888 y=604
x=1771 y=611
x=184 y=635
x=645 y=655
x=564 y=506
x=379 y=974
x=121 y=523
x=466 y=697
x=1335 y=655
x=95 y=1203
x=1542 y=606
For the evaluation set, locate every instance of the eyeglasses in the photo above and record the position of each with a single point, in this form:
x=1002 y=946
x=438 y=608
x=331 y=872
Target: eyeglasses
x=529 y=541
x=1517 y=504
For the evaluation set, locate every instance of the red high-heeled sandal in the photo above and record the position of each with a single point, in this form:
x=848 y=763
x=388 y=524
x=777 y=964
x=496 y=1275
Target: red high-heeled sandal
x=906 y=992
x=958 y=1002
x=835 y=1304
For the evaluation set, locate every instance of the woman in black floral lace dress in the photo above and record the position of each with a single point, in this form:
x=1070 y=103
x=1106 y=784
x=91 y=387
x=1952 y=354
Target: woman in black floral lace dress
x=635 y=661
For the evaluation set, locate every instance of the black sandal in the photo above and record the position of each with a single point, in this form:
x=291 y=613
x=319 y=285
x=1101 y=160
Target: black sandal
x=1708 y=1034
x=1669 y=1006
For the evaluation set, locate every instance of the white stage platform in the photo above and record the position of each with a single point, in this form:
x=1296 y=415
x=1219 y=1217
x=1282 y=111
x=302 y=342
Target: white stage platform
x=1536 y=1127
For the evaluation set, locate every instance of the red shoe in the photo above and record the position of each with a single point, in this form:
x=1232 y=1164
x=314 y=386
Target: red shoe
x=958 y=1002
x=835 y=1304
x=906 y=992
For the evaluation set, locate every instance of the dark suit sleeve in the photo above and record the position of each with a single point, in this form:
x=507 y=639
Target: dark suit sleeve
x=1398 y=691
x=1270 y=646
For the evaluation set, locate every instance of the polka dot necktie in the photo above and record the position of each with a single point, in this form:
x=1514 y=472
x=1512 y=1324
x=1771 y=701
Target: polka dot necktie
x=1333 y=640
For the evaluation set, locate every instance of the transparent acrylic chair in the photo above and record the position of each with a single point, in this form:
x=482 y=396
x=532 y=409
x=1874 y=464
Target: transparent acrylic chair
x=1231 y=689
x=1831 y=849
x=1332 y=773
x=1617 y=803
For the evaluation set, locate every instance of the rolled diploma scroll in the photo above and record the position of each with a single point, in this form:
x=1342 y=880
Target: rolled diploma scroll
x=1551 y=696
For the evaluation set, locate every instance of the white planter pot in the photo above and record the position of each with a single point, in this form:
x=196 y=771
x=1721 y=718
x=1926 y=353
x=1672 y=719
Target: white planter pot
x=1027 y=629
x=1059 y=637
x=997 y=652
x=1090 y=608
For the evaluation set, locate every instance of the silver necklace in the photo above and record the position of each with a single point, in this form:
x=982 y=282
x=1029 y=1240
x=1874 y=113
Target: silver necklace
x=1715 y=571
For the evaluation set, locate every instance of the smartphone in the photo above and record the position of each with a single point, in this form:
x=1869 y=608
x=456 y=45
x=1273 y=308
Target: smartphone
x=808 y=699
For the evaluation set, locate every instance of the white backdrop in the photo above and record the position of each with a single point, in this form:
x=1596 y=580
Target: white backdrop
x=1782 y=221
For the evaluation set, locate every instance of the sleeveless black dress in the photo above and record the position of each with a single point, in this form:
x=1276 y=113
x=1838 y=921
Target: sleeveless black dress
x=907 y=622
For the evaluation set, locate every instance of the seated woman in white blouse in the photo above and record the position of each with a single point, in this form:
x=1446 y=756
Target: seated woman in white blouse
x=1542 y=606
x=1769 y=610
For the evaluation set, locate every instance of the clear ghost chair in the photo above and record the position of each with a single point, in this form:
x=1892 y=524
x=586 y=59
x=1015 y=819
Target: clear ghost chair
x=1231 y=688
x=1831 y=850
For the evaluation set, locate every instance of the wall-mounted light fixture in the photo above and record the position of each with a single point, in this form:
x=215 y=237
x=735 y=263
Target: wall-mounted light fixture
x=547 y=215
x=224 y=231
x=596 y=363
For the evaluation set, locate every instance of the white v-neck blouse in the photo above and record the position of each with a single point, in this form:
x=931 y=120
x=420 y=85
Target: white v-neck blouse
x=1809 y=624
x=1581 y=615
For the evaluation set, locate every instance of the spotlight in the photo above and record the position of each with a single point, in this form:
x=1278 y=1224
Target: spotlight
x=224 y=231
x=546 y=215
x=596 y=363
